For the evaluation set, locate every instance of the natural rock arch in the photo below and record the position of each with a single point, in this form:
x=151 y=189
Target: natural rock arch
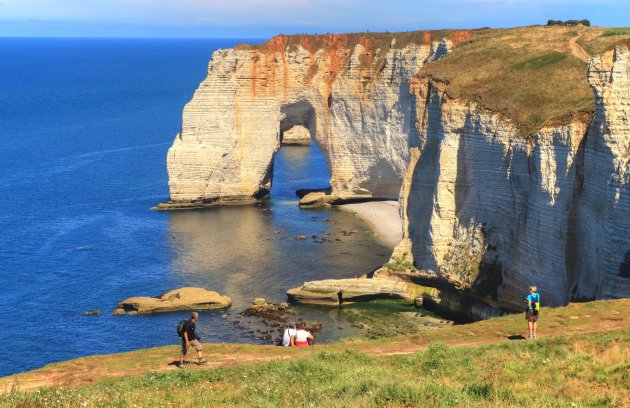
x=357 y=114
x=292 y=115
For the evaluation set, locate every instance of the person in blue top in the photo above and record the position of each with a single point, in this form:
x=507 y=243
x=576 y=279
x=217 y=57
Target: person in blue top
x=531 y=313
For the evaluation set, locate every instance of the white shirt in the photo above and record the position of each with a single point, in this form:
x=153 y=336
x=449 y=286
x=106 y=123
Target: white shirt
x=286 y=337
x=302 y=335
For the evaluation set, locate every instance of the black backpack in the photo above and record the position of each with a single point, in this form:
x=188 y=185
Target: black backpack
x=180 y=328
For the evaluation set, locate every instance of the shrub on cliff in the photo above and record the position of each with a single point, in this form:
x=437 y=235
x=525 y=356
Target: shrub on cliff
x=461 y=264
x=401 y=264
x=569 y=23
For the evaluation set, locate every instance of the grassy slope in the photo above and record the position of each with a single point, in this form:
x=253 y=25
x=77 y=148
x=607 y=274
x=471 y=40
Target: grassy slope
x=528 y=74
x=582 y=357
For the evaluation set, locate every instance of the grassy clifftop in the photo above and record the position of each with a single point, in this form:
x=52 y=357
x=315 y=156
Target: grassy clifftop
x=582 y=358
x=535 y=76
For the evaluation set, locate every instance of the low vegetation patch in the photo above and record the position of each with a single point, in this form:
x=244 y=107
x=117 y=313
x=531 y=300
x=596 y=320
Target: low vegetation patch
x=388 y=318
x=401 y=264
x=528 y=74
x=541 y=61
x=616 y=31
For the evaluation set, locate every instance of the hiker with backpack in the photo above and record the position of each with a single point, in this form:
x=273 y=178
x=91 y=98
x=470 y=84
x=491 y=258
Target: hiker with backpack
x=531 y=312
x=186 y=330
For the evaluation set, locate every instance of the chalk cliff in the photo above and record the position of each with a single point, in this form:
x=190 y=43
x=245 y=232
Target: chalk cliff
x=486 y=211
x=349 y=91
x=489 y=212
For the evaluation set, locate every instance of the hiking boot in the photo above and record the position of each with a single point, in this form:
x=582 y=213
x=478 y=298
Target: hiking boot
x=181 y=365
x=533 y=335
x=202 y=361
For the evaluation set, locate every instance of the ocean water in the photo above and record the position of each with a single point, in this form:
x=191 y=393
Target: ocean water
x=85 y=125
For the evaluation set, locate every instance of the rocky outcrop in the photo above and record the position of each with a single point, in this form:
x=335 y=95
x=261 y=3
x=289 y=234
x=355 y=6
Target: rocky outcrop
x=384 y=285
x=334 y=292
x=489 y=212
x=296 y=136
x=317 y=200
x=176 y=300
x=349 y=91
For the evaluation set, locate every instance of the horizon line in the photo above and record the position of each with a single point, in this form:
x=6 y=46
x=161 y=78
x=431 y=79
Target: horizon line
x=265 y=37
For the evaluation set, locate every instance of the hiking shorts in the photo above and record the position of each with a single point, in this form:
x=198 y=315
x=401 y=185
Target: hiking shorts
x=531 y=315
x=193 y=343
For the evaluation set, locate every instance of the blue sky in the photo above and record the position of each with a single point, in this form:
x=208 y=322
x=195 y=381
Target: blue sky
x=264 y=18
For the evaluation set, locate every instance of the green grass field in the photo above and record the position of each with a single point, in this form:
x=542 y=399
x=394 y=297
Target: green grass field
x=581 y=359
x=616 y=31
x=586 y=370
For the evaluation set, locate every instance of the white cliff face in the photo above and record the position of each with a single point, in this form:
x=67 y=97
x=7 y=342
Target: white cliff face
x=489 y=212
x=484 y=210
x=371 y=123
x=603 y=211
x=354 y=102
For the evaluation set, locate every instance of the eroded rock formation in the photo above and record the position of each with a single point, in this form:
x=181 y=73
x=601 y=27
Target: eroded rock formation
x=488 y=212
x=176 y=300
x=333 y=292
x=485 y=210
x=298 y=135
x=350 y=92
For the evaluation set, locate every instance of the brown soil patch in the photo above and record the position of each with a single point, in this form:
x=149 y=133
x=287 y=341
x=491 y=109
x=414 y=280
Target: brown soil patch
x=577 y=50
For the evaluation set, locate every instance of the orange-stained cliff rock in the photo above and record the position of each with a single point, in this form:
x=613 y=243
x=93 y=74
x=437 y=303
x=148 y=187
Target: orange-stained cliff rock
x=343 y=88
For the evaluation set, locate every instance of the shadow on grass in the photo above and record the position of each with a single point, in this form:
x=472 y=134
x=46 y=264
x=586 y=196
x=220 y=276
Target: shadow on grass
x=516 y=337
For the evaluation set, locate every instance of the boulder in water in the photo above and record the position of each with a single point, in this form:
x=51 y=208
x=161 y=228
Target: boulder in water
x=259 y=301
x=93 y=313
x=176 y=300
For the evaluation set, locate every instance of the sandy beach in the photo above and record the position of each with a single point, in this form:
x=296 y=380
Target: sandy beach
x=382 y=216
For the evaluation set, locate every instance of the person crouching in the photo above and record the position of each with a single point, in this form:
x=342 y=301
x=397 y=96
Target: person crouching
x=288 y=336
x=302 y=336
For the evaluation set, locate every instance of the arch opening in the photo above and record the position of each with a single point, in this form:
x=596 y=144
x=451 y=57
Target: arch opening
x=296 y=115
x=299 y=166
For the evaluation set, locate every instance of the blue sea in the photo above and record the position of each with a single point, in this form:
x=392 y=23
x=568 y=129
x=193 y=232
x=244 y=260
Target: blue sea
x=86 y=124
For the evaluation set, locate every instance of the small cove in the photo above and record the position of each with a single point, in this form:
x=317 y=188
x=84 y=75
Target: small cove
x=91 y=121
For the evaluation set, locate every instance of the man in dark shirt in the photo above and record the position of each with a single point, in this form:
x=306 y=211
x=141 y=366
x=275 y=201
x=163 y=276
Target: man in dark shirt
x=191 y=339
